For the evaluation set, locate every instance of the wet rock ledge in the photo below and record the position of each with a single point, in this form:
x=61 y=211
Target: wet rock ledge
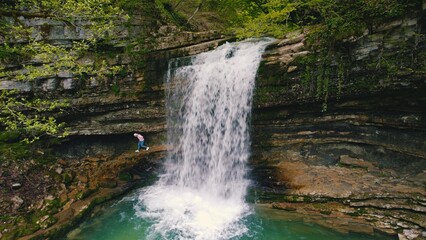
x=55 y=197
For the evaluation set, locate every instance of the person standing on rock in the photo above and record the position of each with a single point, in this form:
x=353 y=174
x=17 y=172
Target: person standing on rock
x=141 y=142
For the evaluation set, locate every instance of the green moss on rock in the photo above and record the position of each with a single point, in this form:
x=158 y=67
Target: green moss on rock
x=125 y=176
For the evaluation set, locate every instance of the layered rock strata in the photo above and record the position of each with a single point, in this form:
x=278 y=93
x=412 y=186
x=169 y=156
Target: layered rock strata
x=359 y=149
x=352 y=146
x=97 y=161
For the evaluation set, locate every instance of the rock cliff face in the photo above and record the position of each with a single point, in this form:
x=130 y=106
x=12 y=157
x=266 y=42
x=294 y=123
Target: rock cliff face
x=97 y=162
x=131 y=101
x=350 y=133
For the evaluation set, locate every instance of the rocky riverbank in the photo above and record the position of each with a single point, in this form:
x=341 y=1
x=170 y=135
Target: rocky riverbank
x=51 y=198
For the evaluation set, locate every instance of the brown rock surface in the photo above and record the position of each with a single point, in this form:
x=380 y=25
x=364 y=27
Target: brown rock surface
x=343 y=133
x=96 y=179
x=342 y=182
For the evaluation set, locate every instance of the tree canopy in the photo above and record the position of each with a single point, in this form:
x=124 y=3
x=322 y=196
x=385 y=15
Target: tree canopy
x=329 y=19
x=27 y=53
x=326 y=20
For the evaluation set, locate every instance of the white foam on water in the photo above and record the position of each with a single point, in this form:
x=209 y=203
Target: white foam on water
x=187 y=214
x=201 y=193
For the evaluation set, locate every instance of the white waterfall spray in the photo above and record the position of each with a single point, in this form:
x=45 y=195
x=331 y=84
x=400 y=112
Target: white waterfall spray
x=201 y=194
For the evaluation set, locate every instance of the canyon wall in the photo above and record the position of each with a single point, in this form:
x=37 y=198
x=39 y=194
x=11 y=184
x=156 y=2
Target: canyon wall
x=54 y=185
x=133 y=99
x=345 y=133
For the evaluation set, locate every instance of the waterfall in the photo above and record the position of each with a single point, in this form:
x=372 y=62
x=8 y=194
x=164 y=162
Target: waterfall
x=201 y=193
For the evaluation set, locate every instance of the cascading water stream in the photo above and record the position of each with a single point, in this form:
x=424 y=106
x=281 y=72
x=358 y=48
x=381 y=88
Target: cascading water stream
x=201 y=193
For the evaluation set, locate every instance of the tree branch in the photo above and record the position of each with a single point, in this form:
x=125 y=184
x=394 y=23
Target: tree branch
x=13 y=13
x=177 y=4
x=196 y=10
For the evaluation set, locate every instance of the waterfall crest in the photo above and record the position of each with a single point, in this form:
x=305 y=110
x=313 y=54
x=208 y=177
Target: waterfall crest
x=201 y=193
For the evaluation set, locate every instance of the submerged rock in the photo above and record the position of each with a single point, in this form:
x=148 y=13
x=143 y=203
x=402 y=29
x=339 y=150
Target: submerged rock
x=411 y=234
